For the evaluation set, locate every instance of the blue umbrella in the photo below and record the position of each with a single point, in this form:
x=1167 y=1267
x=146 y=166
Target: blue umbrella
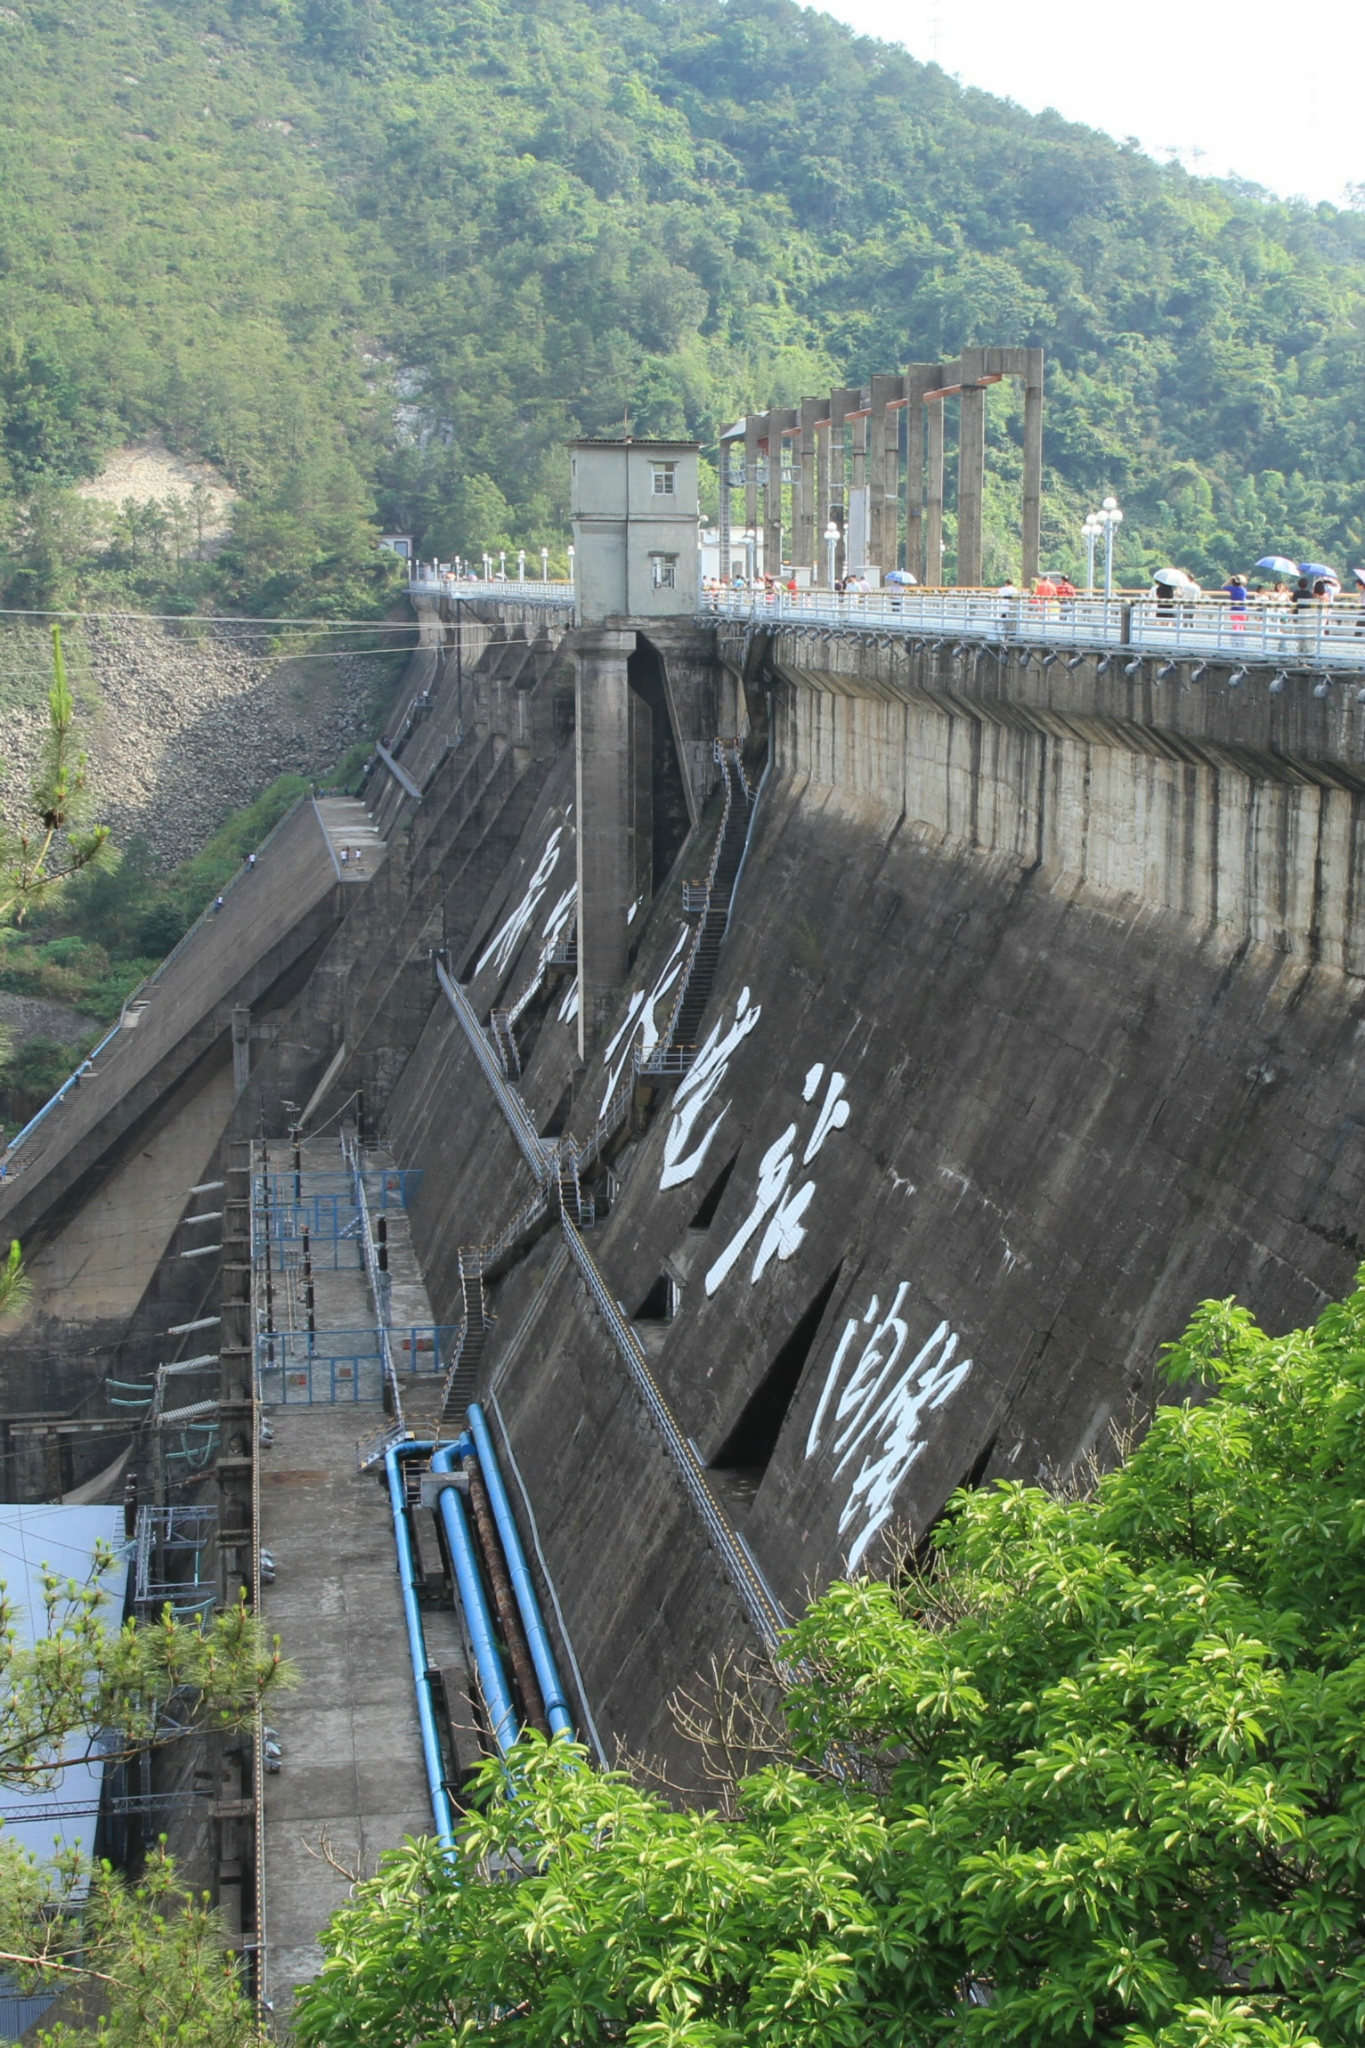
x=1279 y=565
x=1318 y=570
x=901 y=577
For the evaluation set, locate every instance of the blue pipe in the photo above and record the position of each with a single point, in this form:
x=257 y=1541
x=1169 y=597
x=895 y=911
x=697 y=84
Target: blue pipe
x=542 y=1653
x=417 y=1642
x=479 y=1622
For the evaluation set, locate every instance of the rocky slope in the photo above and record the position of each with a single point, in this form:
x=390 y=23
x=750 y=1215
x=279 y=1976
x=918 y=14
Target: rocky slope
x=187 y=724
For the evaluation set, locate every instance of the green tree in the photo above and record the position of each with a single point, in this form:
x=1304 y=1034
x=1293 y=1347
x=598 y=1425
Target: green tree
x=80 y=1691
x=53 y=841
x=1093 y=1776
x=15 y=1285
x=153 y=1969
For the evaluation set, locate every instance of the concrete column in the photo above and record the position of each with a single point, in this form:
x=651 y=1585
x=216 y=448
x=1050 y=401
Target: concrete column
x=779 y=418
x=723 y=518
x=1033 y=464
x=754 y=428
x=805 y=491
x=919 y=378
x=933 y=496
x=241 y=1049
x=842 y=401
x=885 y=474
x=971 y=469
x=604 y=809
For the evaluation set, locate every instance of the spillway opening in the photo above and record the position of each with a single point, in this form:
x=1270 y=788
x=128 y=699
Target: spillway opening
x=659 y=797
x=747 y=1451
x=711 y=1200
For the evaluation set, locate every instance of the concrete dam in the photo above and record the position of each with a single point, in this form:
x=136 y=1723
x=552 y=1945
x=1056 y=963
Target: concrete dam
x=771 y=1072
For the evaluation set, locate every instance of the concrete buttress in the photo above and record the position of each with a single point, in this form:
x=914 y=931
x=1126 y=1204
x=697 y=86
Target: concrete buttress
x=606 y=853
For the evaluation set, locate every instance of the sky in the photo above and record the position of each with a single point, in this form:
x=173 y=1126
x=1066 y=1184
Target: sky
x=1243 y=92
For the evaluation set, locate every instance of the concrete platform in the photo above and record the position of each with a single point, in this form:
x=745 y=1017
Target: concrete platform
x=351 y=1780
x=351 y=832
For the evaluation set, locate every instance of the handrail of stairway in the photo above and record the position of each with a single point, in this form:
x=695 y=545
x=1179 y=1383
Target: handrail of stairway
x=397 y=771
x=666 y=1061
x=758 y=1603
x=513 y=1108
x=72 y=1081
x=377 y=1287
x=527 y=1216
x=326 y=835
x=551 y=955
x=755 y=799
x=665 y=1039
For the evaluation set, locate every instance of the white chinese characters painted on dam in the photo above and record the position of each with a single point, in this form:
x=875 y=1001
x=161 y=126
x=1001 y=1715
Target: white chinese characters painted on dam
x=777 y=1207
x=512 y=931
x=874 y=1417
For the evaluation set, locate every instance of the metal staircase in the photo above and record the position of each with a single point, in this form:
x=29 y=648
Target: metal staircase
x=559 y=954
x=710 y=902
x=504 y=1037
x=370 y=1450
x=466 y=1358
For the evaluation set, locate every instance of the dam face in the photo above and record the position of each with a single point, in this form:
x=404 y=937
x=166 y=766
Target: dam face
x=1022 y=1013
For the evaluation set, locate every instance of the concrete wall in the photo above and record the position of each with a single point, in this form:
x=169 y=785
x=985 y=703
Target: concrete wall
x=1040 y=1023
x=1037 y=1022
x=1253 y=834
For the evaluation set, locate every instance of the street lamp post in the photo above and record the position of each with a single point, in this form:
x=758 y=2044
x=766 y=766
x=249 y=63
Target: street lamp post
x=1106 y=521
x=521 y=565
x=832 y=538
x=1090 y=534
x=1113 y=519
x=571 y=555
x=502 y=565
x=545 y=565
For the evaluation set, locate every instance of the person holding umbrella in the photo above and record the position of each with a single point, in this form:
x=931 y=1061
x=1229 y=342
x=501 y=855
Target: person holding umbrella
x=1167 y=585
x=1313 y=593
x=1280 y=567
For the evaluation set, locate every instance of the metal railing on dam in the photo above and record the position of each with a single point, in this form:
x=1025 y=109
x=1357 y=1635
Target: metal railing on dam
x=503 y=589
x=1125 y=629
x=1117 y=629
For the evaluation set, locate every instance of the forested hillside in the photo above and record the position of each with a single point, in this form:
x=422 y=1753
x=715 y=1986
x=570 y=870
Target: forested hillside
x=377 y=262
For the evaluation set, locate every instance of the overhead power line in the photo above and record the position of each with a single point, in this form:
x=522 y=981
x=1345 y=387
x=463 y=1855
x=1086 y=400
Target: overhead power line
x=218 y=619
